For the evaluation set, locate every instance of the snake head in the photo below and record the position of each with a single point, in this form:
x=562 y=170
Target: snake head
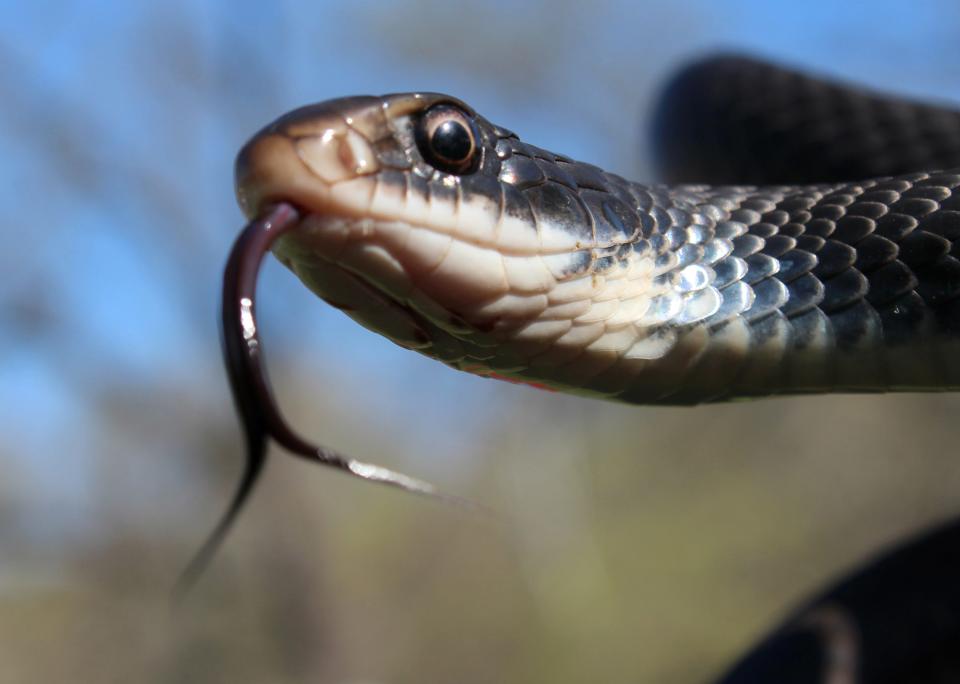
x=380 y=182
x=447 y=234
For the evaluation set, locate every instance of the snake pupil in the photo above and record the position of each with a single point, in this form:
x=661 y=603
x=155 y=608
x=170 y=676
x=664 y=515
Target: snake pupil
x=451 y=141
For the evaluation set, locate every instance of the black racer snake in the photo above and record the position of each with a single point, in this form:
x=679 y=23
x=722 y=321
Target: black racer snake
x=762 y=269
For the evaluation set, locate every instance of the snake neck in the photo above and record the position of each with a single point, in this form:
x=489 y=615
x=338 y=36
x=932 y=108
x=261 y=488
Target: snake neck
x=842 y=287
x=740 y=292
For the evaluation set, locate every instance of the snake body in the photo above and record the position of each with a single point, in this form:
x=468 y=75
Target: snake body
x=773 y=274
x=533 y=267
x=734 y=119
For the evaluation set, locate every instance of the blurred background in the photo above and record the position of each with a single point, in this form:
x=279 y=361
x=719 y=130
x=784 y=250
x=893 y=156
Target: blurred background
x=632 y=544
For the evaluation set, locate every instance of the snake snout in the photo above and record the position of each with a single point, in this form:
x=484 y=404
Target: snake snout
x=266 y=172
x=302 y=155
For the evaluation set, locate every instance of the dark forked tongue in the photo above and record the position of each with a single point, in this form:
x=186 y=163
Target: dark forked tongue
x=259 y=414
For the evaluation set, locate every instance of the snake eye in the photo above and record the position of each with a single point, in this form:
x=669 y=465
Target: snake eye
x=447 y=137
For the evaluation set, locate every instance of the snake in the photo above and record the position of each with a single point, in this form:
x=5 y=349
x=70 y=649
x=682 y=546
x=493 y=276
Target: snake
x=805 y=238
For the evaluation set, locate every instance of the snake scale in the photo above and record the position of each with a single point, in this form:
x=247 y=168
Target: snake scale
x=809 y=242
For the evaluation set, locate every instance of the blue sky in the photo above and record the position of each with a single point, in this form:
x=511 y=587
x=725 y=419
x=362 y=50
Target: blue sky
x=121 y=121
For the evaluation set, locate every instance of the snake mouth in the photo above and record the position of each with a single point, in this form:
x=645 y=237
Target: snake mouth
x=276 y=166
